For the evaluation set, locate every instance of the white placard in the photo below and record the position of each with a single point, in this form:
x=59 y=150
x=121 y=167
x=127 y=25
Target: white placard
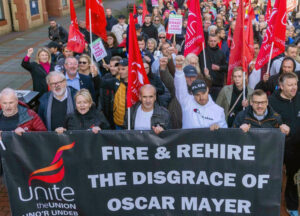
x=98 y=49
x=175 y=24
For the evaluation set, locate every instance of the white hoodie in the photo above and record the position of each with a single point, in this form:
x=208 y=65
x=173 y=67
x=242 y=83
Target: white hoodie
x=195 y=115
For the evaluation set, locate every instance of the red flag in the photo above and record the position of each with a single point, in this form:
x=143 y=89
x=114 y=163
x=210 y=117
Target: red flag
x=98 y=18
x=76 y=40
x=249 y=32
x=268 y=11
x=135 y=13
x=194 y=32
x=137 y=76
x=275 y=33
x=145 y=11
x=240 y=53
x=229 y=38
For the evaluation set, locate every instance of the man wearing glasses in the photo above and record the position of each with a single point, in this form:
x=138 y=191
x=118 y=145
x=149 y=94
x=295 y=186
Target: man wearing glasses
x=58 y=102
x=76 y=80
x=259 y=115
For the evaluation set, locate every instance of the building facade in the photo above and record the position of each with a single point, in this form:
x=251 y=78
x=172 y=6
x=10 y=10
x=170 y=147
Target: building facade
x=21 y=15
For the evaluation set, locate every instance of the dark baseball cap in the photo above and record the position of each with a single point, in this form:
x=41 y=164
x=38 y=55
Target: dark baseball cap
x=198 y=85
x=123 y=62
x=190 y=71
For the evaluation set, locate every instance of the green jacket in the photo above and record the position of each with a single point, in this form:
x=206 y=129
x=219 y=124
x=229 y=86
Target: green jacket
x=224 y=98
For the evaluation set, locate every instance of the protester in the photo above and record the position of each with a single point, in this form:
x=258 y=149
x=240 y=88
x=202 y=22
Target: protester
x=57 y=33
x=149 y=29
x=147 y=114
x=157 y=23
x=119 y=86
x=110 y=20
x=85 y=117
x=38 y=69
x=59 y=101
x=270 y=83
x=290 y=51
x=198 y=110
x=286 y=102
x=119 y=28
x=216 y=65
x=106 y=98
x=60 y=65
x=259 y=115
x=16 y=116
x=77 y=80
x=54 y=49
x=231 y=96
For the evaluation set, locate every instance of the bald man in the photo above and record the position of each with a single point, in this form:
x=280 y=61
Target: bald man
x=147 y=114
x=16 y=116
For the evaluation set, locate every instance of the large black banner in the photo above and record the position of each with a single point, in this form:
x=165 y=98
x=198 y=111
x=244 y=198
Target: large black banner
x=180 y=172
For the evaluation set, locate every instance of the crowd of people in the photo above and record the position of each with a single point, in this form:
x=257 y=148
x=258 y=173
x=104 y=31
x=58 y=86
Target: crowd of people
x=78 y=93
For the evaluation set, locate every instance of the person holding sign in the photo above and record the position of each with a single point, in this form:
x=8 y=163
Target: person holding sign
x=198 y=109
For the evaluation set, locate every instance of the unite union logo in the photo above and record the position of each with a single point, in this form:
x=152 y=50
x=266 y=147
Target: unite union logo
x=57 y=165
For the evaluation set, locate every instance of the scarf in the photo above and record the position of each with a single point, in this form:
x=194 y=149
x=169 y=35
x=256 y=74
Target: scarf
x=70 y=107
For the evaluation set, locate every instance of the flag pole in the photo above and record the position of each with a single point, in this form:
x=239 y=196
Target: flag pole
x=129 y=120
x=91 y=37
x=244 y=86
x=269 y=63
x=204 y=55
x=2 y=145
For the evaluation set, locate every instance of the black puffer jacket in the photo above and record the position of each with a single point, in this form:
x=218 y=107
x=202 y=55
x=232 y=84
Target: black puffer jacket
x=92 y=118
x=272 y=120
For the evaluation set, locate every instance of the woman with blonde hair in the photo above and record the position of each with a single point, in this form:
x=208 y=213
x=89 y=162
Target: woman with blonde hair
x=38 y=68
x=86 y=116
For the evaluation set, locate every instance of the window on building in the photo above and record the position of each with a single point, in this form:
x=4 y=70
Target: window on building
x=34 y=7
x=64 y=3
x=1 y=10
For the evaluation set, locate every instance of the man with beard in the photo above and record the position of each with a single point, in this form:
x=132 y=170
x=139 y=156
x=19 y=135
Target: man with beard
x=216 y=65
x=286 y=102
x=58 y=102
x=57 y=33
x=198 y=109
x=222 y=42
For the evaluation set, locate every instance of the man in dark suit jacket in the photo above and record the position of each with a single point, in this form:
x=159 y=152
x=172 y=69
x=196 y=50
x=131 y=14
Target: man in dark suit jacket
x=76 y=80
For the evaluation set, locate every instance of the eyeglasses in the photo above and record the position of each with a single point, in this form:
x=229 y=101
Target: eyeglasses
x=259 y=102
x=146 y=68
x=156 y=20
x=82 y=62
x=161 y=37
x=69 y=63
x=56 y=83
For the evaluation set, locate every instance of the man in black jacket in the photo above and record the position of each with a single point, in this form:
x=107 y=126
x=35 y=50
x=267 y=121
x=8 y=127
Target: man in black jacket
x=110 y=20
x=57 y=33
x=147 y=115
x=216 y=65
x=149 y=29
x=259 y=115
x=286 y=102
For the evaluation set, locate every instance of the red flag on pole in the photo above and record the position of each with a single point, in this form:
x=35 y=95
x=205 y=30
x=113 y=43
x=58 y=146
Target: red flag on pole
x=98 y=18
x=249 y=32
x=76 y=40
x=240 y=54
x=134 y=14
x=275 y=34
x=194 y=33
x=137 y=76
x=145 y=11
x=268 y=11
